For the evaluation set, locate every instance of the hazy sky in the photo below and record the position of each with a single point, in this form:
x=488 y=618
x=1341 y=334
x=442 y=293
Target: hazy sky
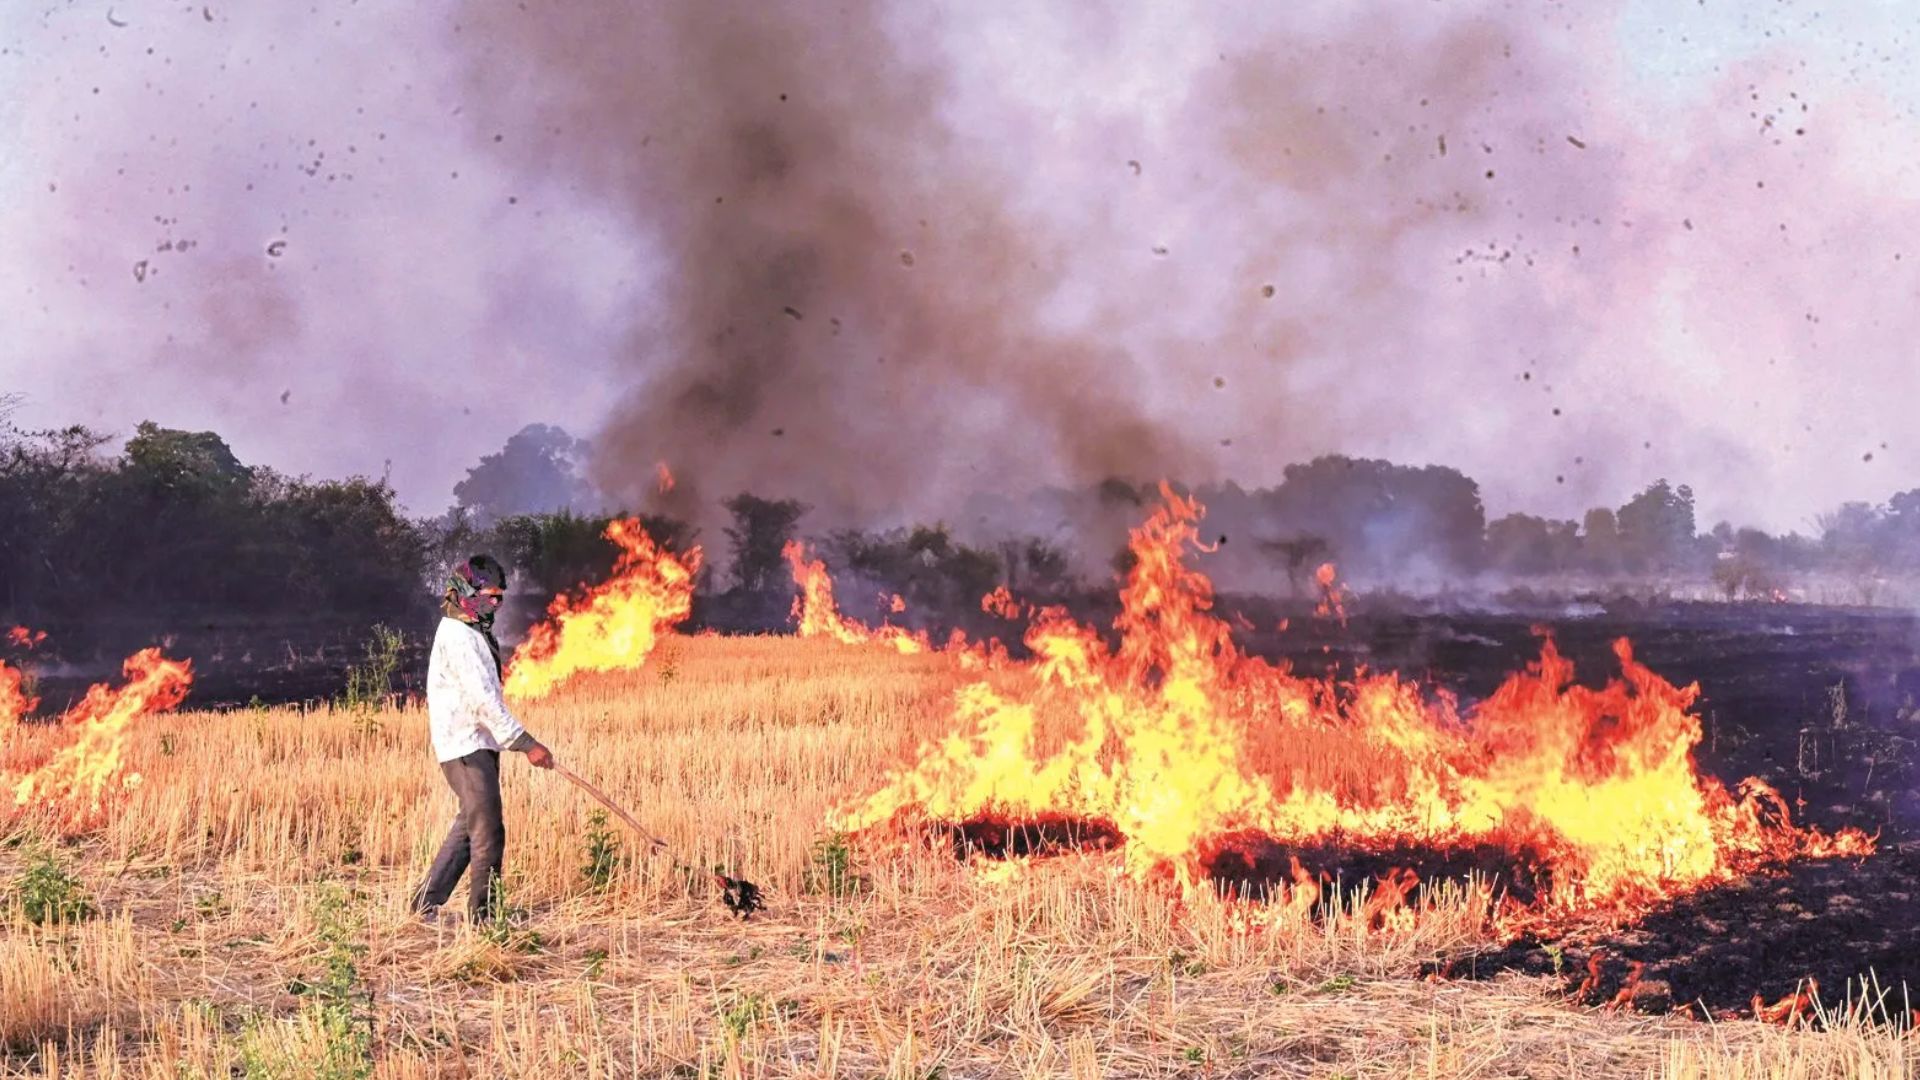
x=883 y=255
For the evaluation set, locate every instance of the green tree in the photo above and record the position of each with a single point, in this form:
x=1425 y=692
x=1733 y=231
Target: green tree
x=924 y=564
x=189 y=496
x=1525 y=544
x=760 y=531
x=45 y=477
x=344 y=544
x=1037 y=568
x=1382 y=517
x=198 y=462
x=1600 y=540
x=562 y=551
x=177 y=524
x=537 y=471
x=1657 y=527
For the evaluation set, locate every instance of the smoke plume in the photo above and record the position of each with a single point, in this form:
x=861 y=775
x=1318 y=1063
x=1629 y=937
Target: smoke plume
x=911 y=255
x=884 y=256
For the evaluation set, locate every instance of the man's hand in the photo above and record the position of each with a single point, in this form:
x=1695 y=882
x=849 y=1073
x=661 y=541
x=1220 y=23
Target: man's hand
x=539 y=756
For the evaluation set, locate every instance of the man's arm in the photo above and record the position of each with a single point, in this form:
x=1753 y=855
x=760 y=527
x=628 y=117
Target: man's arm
x=480 y=684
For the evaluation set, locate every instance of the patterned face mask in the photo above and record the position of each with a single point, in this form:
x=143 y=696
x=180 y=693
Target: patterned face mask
x=471 y=598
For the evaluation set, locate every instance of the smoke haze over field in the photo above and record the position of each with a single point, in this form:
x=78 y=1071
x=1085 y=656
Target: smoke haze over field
x=883 y=256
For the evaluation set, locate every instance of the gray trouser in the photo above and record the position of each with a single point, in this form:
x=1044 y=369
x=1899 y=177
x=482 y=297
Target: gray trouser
x=478 y=836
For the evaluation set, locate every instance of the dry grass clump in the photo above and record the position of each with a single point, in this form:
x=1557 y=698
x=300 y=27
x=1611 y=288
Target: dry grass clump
x=253 y=888
x=63 y=977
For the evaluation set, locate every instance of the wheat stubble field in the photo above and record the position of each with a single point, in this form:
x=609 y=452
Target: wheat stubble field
x=249 y=919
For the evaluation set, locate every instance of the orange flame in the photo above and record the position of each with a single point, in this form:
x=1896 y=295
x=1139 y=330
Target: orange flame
x=1389 y=898
x=78 y=775
x=1792 y=1008
x=14 y=702
x=1332 y=596
x=1000 y=602
x=1628 y=987
x=817 y=616
x=614 y=625
x=666 y=477
x=1176 y=738
x=25 y=638
x=1596 y=965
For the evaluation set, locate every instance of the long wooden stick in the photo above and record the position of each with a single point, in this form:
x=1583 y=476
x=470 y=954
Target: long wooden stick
x=741 y=895
x=599 y=795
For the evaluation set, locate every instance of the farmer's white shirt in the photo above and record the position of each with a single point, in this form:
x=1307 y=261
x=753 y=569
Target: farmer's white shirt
x=464 y=707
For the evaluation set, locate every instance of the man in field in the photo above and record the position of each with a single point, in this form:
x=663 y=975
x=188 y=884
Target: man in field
x=471 y=725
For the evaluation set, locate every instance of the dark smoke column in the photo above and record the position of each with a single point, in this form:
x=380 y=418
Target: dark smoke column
x=848 y=306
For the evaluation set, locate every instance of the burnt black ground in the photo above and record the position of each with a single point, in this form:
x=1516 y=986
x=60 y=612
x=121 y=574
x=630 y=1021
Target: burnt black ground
x=1256 y=867
x=1840 y=926
x=1820 y=703
x=1838 y=921
x=1044 y=835
x=1844 y=926
x=234 y=663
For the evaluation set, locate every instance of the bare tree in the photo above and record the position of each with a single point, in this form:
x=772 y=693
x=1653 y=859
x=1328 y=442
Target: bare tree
x=1295 y=553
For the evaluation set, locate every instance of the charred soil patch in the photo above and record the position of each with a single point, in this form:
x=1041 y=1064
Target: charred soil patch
x=1833 y=921
x=1259 y=867
x=1047 y=834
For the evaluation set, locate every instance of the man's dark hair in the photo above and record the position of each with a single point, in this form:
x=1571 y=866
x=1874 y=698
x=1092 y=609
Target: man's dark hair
x=488 y=568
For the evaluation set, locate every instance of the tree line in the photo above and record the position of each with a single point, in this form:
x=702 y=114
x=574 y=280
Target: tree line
x=172 y=523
